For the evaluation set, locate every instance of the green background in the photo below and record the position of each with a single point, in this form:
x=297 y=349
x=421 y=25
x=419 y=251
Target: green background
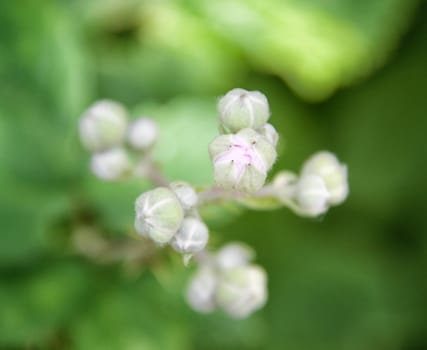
x=342 y=75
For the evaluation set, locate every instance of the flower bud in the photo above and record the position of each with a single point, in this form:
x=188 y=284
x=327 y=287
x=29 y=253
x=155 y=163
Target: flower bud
x=241 y=160
x=158 y=214
x=240 y=109
x=284 y=184
x=201 y=290
x=333 y=173
x=142 y=133
x=191 y=237
x=186 y=194
x=234 y=255
x=270 y=134
x=111 y=164
x=242 y=290
x=103 y=125
x=312 y=195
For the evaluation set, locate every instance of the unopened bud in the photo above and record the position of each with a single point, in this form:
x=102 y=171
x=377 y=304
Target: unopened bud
x=158 y=214
x=142 y=133
x=111 y=164
x=234 y=255
x=312 y=195
x=270 y=134
x=285 y=184
x=186 y=194
x=103 y=125
x=201 y=290
x=333 y=173
x=242 y=290
x=240 y=109
x=241 y=161
x=191 y=237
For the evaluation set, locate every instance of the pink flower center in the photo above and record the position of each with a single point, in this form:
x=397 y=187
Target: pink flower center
x=241 y=154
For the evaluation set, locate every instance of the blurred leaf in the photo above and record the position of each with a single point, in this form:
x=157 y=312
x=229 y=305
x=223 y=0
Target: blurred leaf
x=187 y=127
x=133 y=315
x=315 y=46
x=26 y=215
x=135 y=57
x=36 y=306
x=113 y=202
x=45 y=85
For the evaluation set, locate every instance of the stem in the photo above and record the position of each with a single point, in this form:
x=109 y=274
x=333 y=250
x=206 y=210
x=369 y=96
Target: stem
x=148 y=168
x=215 y=193
x=155 y=175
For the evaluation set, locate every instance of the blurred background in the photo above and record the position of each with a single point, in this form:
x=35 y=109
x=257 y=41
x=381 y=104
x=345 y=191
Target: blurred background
x=347 y=76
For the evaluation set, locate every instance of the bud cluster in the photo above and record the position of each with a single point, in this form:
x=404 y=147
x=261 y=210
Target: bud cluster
x=241 y=155
x=246 y=150
x=229 y=281
x=323 y=182
x=169 y=215
x=105 y=131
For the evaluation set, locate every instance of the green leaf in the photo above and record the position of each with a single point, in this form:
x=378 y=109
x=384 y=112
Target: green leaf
x=37 y=305
x=315 y=46
x=134 y=314
x=187 y=126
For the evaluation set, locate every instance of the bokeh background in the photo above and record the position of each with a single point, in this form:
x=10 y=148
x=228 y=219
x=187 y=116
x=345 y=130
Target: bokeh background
x=347 y=76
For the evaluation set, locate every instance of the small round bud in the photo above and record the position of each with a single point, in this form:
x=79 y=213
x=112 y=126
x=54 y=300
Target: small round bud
x=240 y=109
x=142 y=133
x=270 y=134
x=242 y=290
x=312 y=195
x=158 y=214
x=284 y=184
x=103 y=125
x=201 y=290
x=334 y=174
x=241 y=161
x=111 y=164
x=186 y=194
x=191 y=237
x=234 y=255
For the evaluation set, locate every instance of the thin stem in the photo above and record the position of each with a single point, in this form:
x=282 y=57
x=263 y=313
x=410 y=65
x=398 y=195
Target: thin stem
x=148 y=168
x=215 y=193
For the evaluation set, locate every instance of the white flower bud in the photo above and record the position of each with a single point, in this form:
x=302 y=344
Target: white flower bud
x=103 y=125
x=241 y=161
x=242 y=290
x=142 y=133
x=240 y=109
x=312 y=195
x=201 y=290
x=111 y=164
x=191 y=237
x=186 y=194
x=334 y=174
x=234 y=255
x=285 y=184
x=270 y=133
x=158 y=214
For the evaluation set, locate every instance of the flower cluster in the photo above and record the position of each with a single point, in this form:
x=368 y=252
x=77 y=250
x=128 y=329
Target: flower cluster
x=246 y=151
x=105 y=131
x=241 y=155
x=228 y=281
